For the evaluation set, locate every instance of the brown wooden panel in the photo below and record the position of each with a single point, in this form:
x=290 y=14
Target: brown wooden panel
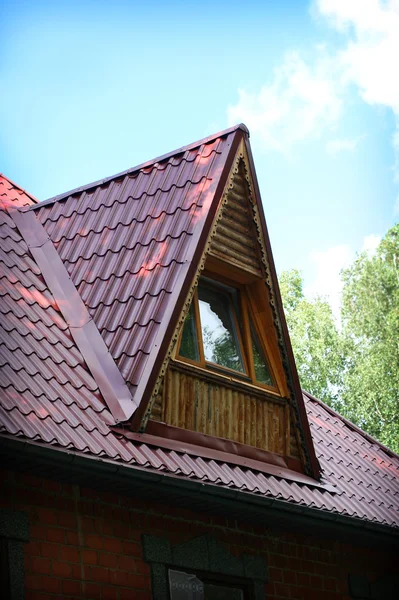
x=197 y=403
x=235 y=240
x=294 y=449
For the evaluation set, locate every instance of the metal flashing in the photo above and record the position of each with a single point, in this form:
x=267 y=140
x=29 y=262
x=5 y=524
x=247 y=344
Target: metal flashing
x=278 y=469
x=83 y=330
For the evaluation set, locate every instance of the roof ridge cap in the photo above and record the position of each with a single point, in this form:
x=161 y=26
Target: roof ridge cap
x=351 y=425
x=143 y=165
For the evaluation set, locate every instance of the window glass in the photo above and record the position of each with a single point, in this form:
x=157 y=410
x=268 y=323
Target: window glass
x=219 y=333
x=187 y=586
x=262 y=372
x=189 y=340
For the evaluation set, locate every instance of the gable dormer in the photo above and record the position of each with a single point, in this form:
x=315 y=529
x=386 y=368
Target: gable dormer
x=148 y=251
x=229 y=376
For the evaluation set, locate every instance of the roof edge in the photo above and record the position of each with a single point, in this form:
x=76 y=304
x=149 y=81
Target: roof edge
x=161 y=158
x=35 y=200
x=76 y=464
x=351 y=425
x=311 y=461
x=81 y=326
x=177 y=299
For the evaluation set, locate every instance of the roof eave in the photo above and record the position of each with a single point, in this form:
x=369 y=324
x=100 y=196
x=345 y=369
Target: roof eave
x=128 y=479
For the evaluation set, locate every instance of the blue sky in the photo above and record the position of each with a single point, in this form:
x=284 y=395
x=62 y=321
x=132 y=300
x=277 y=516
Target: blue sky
x=93 y=88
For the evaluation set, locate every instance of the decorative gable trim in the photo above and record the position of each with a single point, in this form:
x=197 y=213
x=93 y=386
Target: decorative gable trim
x=83 y=330
x=305 y=441
x=216 y=248
x=180 y=299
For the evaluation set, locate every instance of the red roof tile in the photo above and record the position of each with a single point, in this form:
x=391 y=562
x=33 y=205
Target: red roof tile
x=128 y=244
x=47 y=393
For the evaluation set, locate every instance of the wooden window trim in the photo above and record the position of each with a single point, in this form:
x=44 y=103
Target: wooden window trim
x=244 y=338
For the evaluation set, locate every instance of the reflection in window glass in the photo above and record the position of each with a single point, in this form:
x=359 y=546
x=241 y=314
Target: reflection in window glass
x=219 y=334
x=186 y=586
x=262 y=372
x=189 y=340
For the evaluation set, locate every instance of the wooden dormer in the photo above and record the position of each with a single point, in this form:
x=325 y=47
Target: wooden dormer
x=227 y=377
x=172 y=240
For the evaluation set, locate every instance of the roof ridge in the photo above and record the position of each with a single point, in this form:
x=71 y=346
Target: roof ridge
x=351 y=425
x=163 y=157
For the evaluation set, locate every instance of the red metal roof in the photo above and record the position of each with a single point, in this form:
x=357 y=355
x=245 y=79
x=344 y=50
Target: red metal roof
x=132 y=244
x=128 y=244
x=47 y=393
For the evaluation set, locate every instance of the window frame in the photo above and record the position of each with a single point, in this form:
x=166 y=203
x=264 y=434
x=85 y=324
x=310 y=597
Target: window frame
x=203 y=554
x=208 y=577
x=243 y=331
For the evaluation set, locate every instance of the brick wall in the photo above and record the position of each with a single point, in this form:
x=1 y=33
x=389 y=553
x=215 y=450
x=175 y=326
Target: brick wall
x=87 y=544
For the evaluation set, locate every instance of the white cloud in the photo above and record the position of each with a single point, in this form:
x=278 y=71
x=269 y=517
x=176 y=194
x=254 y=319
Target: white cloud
x=305 y=98
x=370 y=57
x=370 y=244
x=300 y=101
x=327 y=282
x=329 y=264
x=334 y=147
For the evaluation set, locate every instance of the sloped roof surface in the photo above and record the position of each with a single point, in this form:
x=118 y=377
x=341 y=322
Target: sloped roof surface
x=47 y=393
x=126 y=244
x=49 y=397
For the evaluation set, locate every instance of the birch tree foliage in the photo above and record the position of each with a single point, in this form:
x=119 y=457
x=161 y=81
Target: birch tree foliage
x=315 y=340
x=354 y=369
x=370 y=316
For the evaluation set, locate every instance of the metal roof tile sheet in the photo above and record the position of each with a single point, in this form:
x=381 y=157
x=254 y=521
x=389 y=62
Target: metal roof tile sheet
x=47 y=393
x=127 y=242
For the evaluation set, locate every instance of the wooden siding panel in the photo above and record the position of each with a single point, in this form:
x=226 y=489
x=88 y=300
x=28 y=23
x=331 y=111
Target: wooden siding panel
x=196 y=403
x=234 y=240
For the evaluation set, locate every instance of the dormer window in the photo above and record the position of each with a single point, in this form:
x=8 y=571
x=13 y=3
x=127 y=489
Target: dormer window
x=219 y=333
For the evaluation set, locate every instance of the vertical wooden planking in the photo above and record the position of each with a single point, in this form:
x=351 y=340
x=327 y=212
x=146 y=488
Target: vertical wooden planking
x=234 y=415
x=192 y=402
x=270 y=426
x=287 y=432
x=276 y=428
x=183 y=384
x=247 y=419
x=168 y=397
x=265 y=426
x=259 y=423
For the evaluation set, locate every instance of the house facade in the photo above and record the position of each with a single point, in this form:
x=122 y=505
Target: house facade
x=155 y=440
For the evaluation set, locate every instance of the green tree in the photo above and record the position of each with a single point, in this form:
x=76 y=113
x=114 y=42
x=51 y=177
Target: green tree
x=370 y=317
x=315 y=339
x=354 y=369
